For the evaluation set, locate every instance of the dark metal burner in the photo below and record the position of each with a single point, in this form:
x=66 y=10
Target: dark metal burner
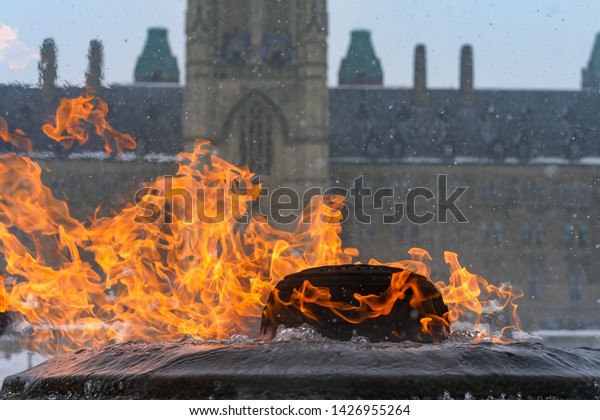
x=344 y=281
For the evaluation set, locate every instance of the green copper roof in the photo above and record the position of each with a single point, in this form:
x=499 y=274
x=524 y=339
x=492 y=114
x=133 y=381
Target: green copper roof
x=361 y=66
x=157 y=64
x=594 y=63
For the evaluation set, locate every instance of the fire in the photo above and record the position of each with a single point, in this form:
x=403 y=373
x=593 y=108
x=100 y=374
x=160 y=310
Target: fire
x=160 y=270
x=17 y=139
x=470 y=295
x=75 y=117
x=470 y=298
x=403 y=285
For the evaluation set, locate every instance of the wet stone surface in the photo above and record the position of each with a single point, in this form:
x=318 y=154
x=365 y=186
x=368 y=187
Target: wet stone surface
x=296 y=367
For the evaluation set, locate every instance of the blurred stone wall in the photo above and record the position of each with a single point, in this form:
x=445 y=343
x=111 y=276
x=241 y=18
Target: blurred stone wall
x=536 y=226
x=88 y=184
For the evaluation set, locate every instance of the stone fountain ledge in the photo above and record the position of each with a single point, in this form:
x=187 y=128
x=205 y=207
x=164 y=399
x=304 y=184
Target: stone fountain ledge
x=312 y=369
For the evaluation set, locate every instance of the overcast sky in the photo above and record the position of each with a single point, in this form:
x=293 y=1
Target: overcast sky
x=533 y=44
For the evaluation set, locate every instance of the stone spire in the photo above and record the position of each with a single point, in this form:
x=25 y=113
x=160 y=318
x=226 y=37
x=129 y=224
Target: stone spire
x=466 y=91
x=94 y=73
x=420 y=77
x=590 y=76
x=361 y=66
x=48 y=70
x=157 y=64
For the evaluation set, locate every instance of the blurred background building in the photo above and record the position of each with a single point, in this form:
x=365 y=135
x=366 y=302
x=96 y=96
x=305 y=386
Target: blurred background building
x=256 y=86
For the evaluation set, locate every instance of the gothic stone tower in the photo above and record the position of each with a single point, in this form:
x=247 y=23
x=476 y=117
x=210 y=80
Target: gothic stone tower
x=256 y=85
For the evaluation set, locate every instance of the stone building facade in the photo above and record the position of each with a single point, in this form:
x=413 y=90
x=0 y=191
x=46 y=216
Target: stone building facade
x=530 y=161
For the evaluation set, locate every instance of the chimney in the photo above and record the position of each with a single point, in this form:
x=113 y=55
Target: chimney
x=466 y=92
x=420 y=79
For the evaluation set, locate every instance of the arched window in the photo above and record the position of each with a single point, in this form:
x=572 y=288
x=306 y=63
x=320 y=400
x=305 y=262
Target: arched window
x=255 y=138
x=236 y=48
x=277 y=49
x=485 y=232
x=583 y=193
x=498 y=233
x=526 y=233
x=582 y=235
x=524 y=190
x=542 y=192
x=254 y=134
x=540 y=233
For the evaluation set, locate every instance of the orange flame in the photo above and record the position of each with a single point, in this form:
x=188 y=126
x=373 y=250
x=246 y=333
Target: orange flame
x=371 y=306
x=73 y=119
x=469 y=298
x=17 y=139
x=3 y=297
x=197 y=270
x=153 y=281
